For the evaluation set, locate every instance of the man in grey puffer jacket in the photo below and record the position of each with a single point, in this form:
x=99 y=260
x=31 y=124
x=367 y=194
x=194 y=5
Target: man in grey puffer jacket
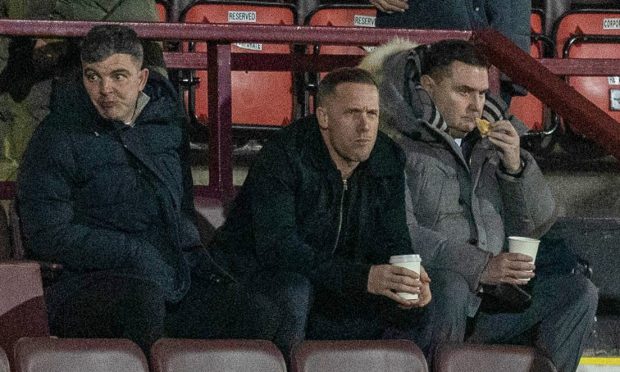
x=467 y=194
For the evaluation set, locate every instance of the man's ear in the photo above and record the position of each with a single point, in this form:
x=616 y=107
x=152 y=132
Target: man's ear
x=427 y=83
x=321 y=115
x=143 y=76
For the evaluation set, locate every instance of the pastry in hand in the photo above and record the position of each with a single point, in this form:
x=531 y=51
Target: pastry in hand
x=483 y=126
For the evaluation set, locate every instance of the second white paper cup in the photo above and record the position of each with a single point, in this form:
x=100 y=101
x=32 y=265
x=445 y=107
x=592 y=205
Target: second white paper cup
x=523 y=245
x=411 y=262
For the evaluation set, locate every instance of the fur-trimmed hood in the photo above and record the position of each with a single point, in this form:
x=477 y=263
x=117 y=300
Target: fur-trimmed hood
x=406 y=108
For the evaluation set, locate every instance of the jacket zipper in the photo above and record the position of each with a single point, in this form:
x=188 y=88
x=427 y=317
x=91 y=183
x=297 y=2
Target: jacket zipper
x=340 y=214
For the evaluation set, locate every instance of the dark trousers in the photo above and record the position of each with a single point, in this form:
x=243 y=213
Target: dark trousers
x=367 y=317
x=308 y=313
x=119 y=306
x=557 y=322
x=292 y=293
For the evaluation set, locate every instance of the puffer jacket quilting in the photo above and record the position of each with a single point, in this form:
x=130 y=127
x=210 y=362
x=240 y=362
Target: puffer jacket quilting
x=460 y=211
x=97 y=195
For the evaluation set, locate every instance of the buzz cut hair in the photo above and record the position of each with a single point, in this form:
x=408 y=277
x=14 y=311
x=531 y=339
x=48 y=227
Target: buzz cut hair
x=105 y=40
x=328 y=84
x=440 y=55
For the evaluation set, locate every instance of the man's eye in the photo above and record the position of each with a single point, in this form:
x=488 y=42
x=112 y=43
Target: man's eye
x=91 y=77
x=119 y=77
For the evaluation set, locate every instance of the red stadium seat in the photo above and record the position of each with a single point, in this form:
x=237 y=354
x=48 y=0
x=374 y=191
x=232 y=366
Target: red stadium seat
x=592 y=34
x=49 y=270
x=465 y=357
x=603 y=91
x=22 y=307
x=355 y=356
x=342 y=16
x=175 y=355
x=529 y=108
x=162 y=10
x=537 y=18
x=584 y=22
x=338 y=15
x=46 y=354
x=258 y=97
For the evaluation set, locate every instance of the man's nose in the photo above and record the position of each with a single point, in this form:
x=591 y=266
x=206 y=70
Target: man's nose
x=105 y=86
x=363 y=123
x=476 y=102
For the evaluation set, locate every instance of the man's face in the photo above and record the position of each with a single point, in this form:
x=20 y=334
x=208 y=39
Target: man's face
x=114 y=84
x=349 y=122
x=459 y=95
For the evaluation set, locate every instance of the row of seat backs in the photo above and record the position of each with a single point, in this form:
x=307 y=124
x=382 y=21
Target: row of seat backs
x=592 y=34
x=163 y=8
x=46 y=354
x=264 y=98
x=249 y=88
x=580 y=33
x=24 y=330
x=259 y=98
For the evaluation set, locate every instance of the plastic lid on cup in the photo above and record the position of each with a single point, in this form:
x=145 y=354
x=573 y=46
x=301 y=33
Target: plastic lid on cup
x=405 y=258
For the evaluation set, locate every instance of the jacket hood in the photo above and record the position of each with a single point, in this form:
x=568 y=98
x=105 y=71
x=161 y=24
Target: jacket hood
x=406 y=108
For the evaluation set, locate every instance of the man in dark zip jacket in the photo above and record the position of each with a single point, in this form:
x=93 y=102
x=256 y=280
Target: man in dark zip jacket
x=106 y=191
x=320 y=214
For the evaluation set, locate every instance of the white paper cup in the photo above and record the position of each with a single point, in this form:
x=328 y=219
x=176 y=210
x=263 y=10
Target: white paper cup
x=411 y=262
x=523 y=245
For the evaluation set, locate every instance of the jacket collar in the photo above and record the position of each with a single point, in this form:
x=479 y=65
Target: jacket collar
x=157 y=103
x=407 y=109
x=143 y=100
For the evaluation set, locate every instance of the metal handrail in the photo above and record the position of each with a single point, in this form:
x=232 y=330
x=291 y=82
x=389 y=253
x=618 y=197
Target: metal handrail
x=517 y=64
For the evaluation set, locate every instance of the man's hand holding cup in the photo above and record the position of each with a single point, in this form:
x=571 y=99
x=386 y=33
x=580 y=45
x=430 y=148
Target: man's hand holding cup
x=403 y=281
x=515 y=266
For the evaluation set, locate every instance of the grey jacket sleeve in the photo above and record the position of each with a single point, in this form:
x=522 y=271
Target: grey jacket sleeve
x=437 y=251
x=529 y=205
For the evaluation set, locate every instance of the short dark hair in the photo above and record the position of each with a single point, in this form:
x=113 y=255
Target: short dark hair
x=440 y=55
x=328 y=85
x=104 y=40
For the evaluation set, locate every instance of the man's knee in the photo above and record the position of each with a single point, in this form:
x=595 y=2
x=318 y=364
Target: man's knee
x=571 y=295
x=264 y=318
x=235 y=312
x=450 y=291
x=145 y=301
x=445 y=318
x=295 y=288
x=585 y=293
x=115 y=307
x=568 y=290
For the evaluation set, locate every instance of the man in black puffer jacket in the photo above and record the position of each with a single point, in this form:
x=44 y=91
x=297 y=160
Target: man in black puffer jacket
x=106 y=190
